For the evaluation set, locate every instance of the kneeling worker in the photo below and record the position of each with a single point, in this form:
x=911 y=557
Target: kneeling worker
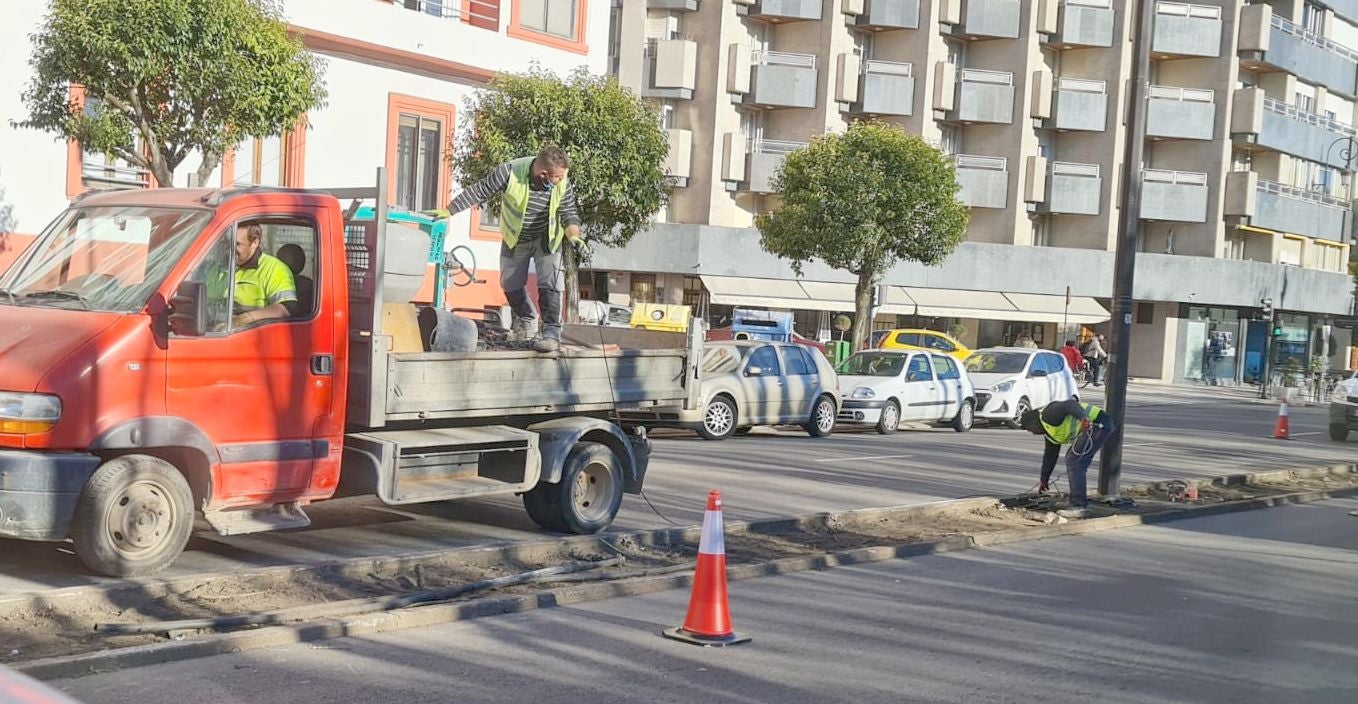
x=1086 y=428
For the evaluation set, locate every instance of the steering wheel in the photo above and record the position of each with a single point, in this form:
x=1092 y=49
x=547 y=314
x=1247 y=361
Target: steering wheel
x=457 y=270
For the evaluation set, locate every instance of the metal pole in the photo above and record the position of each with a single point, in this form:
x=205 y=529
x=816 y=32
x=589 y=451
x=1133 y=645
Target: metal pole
x=1129 y=230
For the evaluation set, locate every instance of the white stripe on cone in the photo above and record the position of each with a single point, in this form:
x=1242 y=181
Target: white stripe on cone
x=712 y=542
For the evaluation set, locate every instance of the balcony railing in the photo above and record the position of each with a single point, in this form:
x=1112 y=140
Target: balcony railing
x=782 y=58
x=1310 y=37
x=977 y=75
x=1305 y=194
x=1179 y=178
x=1066 y=168
x=1193 y=95
x=1311 y=118
x=96 y=168
x=1082 y=85
x=1091 y=3
x=478 y=11
x=893 y=68
x=774 y=146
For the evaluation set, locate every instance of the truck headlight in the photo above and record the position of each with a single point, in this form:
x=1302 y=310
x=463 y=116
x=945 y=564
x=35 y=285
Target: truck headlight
x=863 y=392
x=22 y=413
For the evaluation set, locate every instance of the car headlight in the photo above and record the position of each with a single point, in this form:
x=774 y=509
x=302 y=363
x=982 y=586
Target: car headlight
x=1004 y=387
x=1340 y=394
x=28 y=413
x=863 y=392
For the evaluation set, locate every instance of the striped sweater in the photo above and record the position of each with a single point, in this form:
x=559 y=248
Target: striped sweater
x=535 y=215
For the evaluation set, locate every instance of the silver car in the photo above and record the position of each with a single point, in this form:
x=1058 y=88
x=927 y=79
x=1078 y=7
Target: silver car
x=755 y=382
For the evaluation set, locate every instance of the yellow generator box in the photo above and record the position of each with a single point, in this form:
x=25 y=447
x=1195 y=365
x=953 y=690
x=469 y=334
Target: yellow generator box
x=660 y=316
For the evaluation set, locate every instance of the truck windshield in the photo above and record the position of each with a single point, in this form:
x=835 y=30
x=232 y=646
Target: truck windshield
x=108 y=258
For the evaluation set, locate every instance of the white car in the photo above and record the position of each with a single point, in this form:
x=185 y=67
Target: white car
x=882 y=388
x=1011 y=380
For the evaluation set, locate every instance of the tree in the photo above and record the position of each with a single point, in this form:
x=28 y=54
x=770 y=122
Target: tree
x=613 y=138
x=860 y=202
x=164 y=78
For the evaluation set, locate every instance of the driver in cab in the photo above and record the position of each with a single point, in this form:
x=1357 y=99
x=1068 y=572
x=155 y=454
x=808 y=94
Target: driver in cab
x=264 y=288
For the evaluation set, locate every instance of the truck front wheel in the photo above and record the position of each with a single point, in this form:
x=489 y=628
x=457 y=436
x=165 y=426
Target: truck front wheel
x=134 y=517
x=587 y=497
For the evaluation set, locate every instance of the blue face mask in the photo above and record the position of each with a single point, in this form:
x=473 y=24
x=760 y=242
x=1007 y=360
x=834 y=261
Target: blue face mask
x=549 y=185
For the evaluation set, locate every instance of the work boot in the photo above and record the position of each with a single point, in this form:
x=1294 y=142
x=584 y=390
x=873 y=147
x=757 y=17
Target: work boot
x=546 y=345
x=1075 y=512
x=523 y=329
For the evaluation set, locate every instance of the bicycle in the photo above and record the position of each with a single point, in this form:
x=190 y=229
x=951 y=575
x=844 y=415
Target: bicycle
x=1084 y=375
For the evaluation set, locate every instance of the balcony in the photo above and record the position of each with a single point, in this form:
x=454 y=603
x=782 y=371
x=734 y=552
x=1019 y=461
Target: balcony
x=765 y=159
x=988 y=19
x=1177 y=196
x=674 y=5
x=984 y=181
x=1074 y=189
x=1347 y=9
x=1180 y=113
x=1081 y=105
x=782 y=80
x=677 y=161
x=888 y=89
x=777 y=11
x=1182 y=29
x=1270 y=43
x=670 y=69
x=885 y=15
x=985 y=96
x=1253 y=201
x=1084 y=23
x=1276 y=126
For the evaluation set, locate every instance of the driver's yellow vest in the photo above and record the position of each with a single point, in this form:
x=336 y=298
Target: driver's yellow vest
x=1063 y=433
x=515 y=202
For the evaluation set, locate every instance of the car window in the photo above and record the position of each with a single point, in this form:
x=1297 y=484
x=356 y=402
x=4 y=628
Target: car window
x=945 y=367
x=997 y=362
x=720 y=359
x=937 y=343
x=798 y=362
x=766 y=358
x=908 y=338
x=919 y=369
x=1054 y=363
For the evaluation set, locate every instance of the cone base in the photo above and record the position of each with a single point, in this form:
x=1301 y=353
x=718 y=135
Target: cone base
x=691 y=638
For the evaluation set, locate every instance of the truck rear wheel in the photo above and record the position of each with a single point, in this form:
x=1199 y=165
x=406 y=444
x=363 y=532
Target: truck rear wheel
x=134 y=517
x=587 y=497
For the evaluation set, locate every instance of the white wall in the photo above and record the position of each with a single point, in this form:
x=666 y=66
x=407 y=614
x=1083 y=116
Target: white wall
x=32 y=163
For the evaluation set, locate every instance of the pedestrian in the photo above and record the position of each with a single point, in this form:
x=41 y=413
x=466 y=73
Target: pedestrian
x=1073 y=356
x=1210 y=359
x=537 y=210
x=1025 y=341
x=1095 y=354
x=1085 y=428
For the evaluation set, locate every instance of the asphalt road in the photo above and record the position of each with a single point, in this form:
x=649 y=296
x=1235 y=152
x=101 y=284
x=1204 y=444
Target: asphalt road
x=1247 y=607
x=1172 y=433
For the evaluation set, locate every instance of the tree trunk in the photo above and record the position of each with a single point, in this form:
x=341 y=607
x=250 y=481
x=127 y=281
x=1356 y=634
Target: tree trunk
x=570 y=302
x=862 y=319
x=205 y=169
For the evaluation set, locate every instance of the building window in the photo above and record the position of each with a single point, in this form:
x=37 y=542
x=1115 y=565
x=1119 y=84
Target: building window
x=643 y=288
x=1313 y=18
x=1041 y=234
x=101 y=170
x=693 y=292
x=554 y=17
x=418 y=145
x=258 y=161
x=1145 y=314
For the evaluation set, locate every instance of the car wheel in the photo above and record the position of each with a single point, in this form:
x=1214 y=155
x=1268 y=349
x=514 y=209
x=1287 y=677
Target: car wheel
x=822 y=418
x=1339 y=433
x=1023 y=406
x=965 y=418
x=719 y=419
x=891 y=418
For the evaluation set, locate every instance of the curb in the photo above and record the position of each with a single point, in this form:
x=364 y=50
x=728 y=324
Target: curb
x=106 y=661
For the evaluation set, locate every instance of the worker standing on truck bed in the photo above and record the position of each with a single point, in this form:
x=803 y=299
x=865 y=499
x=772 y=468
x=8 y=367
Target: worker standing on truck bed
x=1086 y=428
x=537 y=207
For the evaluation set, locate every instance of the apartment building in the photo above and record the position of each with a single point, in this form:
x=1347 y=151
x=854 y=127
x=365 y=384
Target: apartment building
x=1245 y=186
x=398 y=72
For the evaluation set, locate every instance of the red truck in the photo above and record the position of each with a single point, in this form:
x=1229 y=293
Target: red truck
x=133 y=395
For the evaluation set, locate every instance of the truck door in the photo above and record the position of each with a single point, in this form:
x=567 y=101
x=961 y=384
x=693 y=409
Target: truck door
x=258 y=390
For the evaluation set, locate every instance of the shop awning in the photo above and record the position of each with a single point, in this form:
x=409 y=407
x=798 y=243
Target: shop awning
x=956 y=303
x=1040 y=308
x=769 y=293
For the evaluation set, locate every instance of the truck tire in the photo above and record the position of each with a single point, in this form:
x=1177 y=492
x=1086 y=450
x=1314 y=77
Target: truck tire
x=1339 y=433
x=587 y=497
x=133 y=518
x=720 y=418
x=822 y=421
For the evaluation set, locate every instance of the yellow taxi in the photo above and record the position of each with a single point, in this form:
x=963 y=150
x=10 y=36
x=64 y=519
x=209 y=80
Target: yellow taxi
x=923 y=340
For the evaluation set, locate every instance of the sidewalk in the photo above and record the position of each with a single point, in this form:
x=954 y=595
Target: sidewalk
x=1141 y=388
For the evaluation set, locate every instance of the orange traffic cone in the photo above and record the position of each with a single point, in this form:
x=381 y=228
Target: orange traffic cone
x=1280 y=428
x=709 y=615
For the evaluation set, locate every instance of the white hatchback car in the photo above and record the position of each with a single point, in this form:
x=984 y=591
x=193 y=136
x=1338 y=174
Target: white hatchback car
x=1011 y=380
x=882 y=388
x=755 y=382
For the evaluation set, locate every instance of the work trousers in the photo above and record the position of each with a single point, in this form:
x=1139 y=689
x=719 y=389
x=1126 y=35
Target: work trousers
x=1082 y=452
x=551 y=281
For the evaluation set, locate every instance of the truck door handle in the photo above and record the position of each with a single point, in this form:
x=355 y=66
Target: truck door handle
x=322 y=364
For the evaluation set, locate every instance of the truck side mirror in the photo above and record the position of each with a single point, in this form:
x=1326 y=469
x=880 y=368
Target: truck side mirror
x=188 y=309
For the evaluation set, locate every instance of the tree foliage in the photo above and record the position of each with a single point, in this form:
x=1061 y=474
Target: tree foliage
x=165 y=78
x=613 y=138
x=861 y=201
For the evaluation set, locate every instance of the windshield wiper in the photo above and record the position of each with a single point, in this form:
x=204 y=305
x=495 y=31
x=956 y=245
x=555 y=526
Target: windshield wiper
x=58 y=294
x=8 y=294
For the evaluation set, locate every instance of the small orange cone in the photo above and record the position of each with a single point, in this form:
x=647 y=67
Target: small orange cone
x=709 y=615
x=1280 y=428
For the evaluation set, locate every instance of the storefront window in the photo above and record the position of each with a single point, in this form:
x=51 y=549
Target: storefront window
x=1211 y=345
